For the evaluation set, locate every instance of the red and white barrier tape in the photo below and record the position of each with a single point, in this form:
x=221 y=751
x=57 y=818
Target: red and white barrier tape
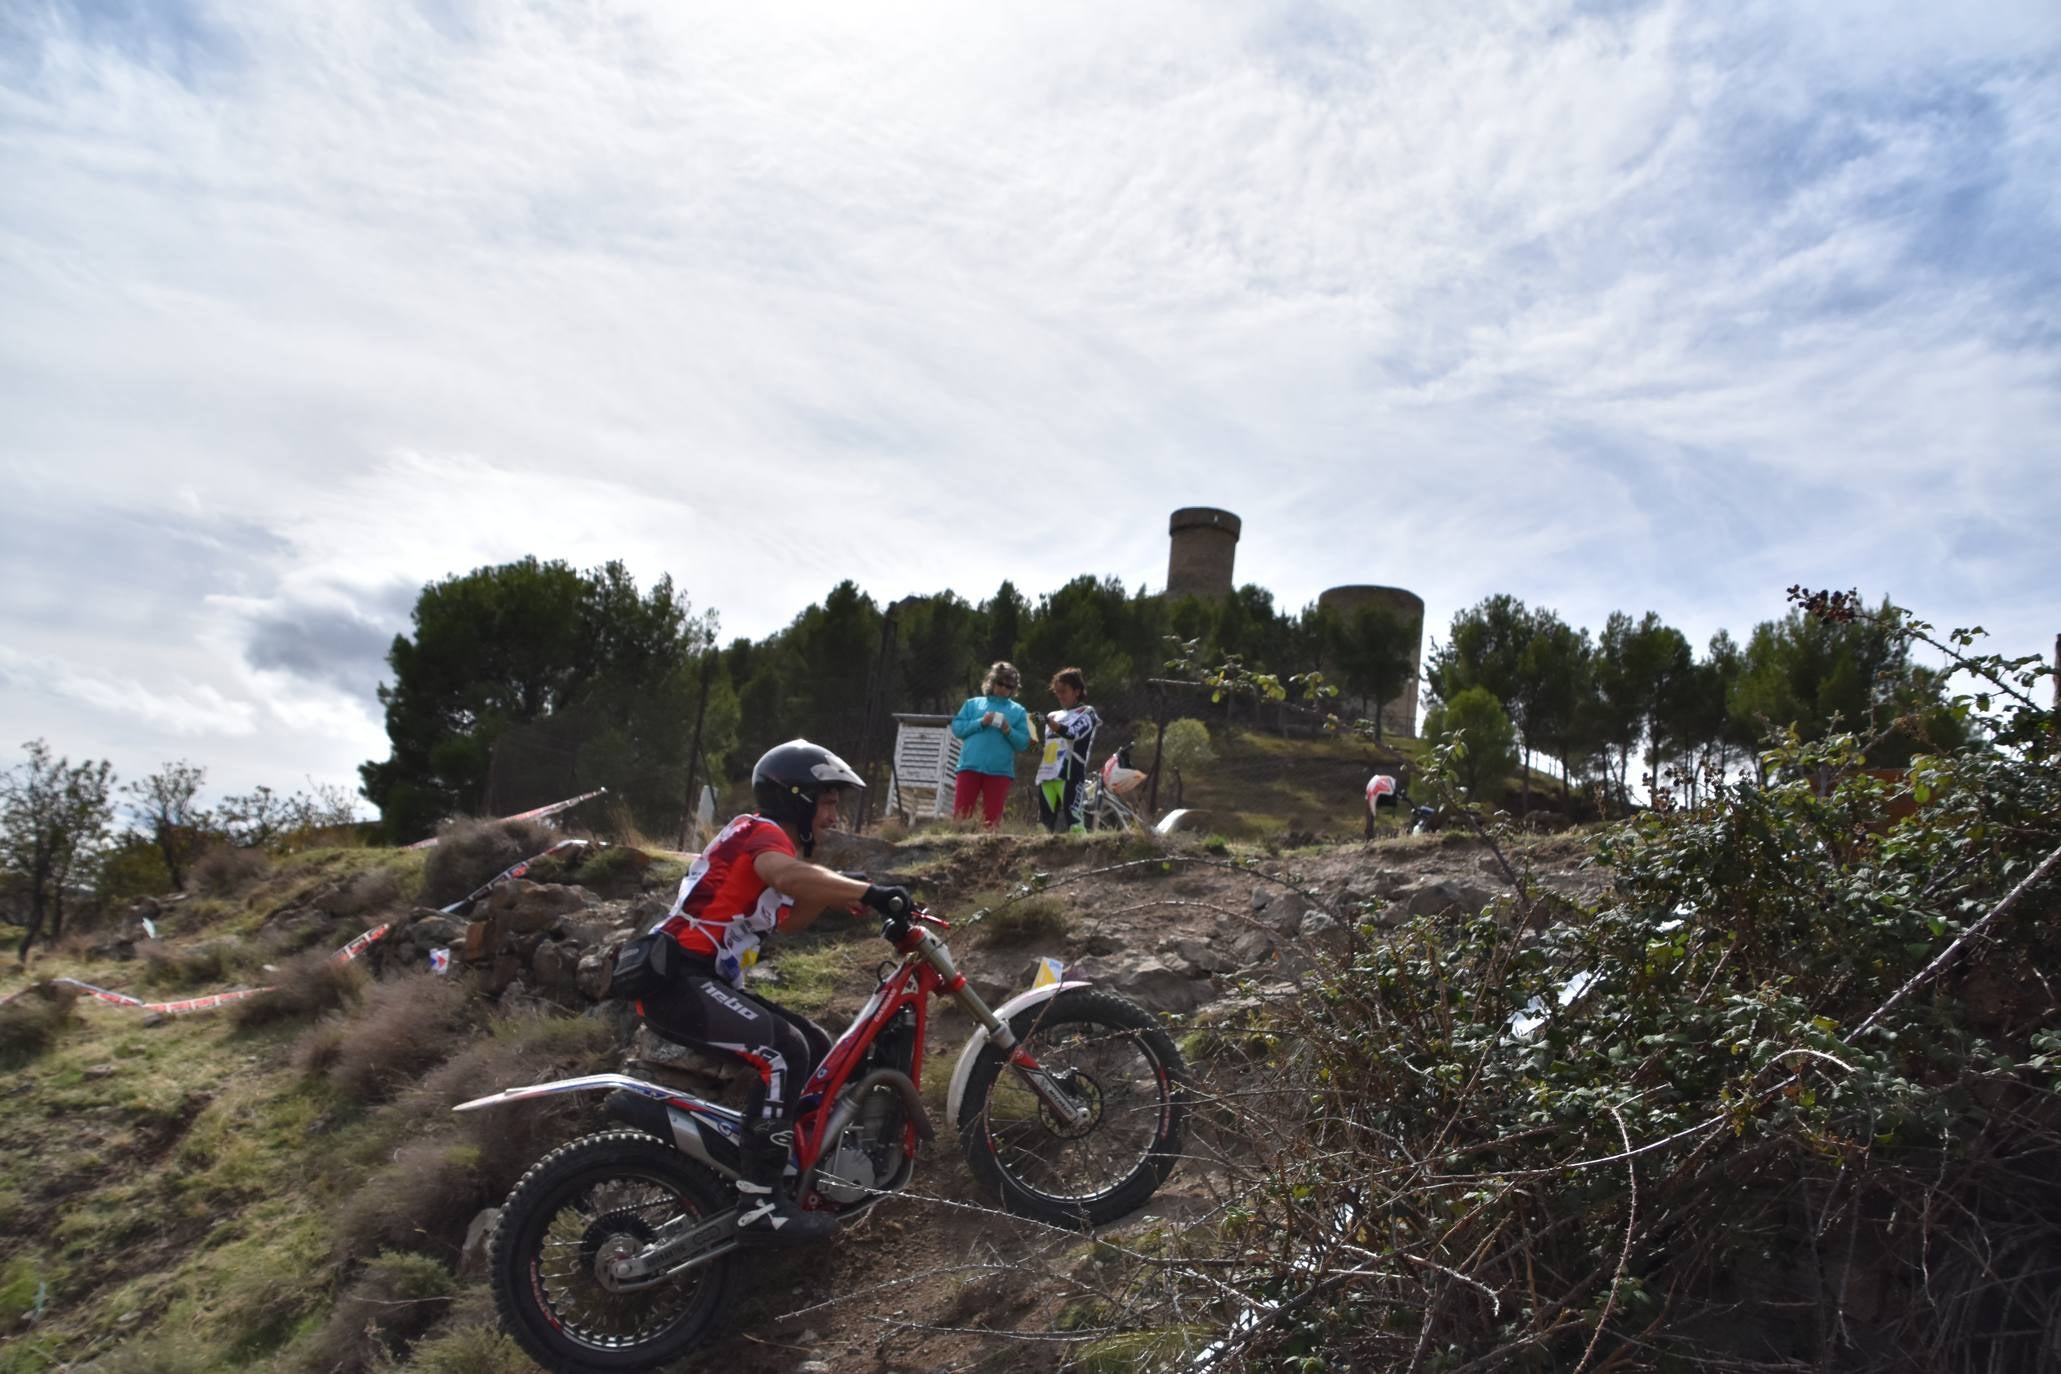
x=512 y=871
x=211 y=1000
x=540 y=813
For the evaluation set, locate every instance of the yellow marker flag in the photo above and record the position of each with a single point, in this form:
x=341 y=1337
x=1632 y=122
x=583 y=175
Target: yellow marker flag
x=1050 y=971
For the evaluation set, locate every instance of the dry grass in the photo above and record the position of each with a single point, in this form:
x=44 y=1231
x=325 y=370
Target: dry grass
x=210 y=964
x=373 y=890
x=469 y=853
x=403 y=1028
x=420 y=1201
x=31 y=1023
x=1014 y=918
x=225 y=870
x=393 y=1301
x=303 y=989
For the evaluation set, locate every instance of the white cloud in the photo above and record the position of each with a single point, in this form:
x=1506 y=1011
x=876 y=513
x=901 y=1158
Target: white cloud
x=1653 y=304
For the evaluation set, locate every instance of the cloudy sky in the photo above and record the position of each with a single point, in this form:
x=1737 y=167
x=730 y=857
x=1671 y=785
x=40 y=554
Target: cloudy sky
x=1613 y=305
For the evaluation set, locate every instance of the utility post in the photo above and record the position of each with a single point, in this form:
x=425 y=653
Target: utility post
x=708 y=673
x=1161 y=702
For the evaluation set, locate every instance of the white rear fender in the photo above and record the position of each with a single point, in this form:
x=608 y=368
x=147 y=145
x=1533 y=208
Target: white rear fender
x=963 y=1071
x=591 y=1083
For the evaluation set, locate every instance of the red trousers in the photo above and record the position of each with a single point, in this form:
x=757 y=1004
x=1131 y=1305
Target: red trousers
x=991 y=790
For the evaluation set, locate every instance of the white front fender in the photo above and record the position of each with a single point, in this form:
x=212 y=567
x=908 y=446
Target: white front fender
x=1004 y=1013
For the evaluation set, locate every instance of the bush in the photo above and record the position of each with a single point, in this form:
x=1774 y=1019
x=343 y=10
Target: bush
x=31 y=1023
x=421 y=1201
x=469 y=853
x=373 y=890
x=210 y=964
x=615 y=871
x=303 y=989
x=404 y=1027
x=469 y=1349
x=225 y=870
x=1020 y=917
x=1772 y=1103
x=396 y=1298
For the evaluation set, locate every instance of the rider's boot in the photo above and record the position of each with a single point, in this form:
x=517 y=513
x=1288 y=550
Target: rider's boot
x=766 y=1211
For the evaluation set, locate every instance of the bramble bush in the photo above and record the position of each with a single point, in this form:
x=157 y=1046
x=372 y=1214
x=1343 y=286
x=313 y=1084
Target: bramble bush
x=1784 y=1099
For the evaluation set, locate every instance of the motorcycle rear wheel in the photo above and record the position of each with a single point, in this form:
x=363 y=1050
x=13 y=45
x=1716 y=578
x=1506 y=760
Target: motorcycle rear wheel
x=1123 y=1066
x=576 y=1206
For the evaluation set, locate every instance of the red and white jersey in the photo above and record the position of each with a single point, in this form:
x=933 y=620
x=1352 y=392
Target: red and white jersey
x=724 y=905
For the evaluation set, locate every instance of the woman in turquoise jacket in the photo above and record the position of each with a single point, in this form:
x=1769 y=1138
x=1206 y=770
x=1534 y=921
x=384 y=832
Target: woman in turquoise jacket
x=993 y=729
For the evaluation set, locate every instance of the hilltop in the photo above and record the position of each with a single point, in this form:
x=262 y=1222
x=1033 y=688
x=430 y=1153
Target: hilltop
x=229 y=1189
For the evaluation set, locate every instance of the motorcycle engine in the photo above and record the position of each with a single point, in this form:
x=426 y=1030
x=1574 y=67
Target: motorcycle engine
x=868 y=1153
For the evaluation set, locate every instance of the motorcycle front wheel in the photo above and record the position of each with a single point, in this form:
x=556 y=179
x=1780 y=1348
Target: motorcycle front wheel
x=586 y=1203
x=1113 y=1057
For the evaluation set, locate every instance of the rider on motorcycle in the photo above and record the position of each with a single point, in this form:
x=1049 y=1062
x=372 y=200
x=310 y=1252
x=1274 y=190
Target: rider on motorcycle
x=755 y=878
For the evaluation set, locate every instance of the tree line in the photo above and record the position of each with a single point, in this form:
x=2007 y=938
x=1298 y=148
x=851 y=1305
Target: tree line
x=64 y=844
x=531 y=680
x=1636 y=694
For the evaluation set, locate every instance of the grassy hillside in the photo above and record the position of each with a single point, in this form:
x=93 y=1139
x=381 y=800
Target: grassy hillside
x=246 y=1188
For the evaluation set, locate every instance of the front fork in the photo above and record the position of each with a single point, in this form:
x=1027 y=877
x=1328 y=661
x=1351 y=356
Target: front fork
x=1056 y=1099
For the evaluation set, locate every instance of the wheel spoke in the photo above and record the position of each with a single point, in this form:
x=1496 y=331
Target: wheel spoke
x=1115 y=1075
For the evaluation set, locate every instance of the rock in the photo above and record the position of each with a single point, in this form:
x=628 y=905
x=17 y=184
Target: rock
x=524 y=908
x=1284 y=914
x=1262 y=896
x=813 y=1367
x=1434 y=896
x=584 y=933
x=1147 y=981
x=1323 y=931
x=1252 y=947
x=502 y=974
x=590 y=975
x=556 y=966
x=647 y=912
x=472 y=1256
x=479 y=942
x=1101 y=942
x=428 y=927
x=1196 y=959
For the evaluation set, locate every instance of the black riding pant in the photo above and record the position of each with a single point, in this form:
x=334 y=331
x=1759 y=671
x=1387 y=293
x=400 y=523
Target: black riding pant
x=704 y=1011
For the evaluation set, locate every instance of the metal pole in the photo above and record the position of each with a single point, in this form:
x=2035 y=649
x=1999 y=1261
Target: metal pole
x=708 y=672
x=1158 y=750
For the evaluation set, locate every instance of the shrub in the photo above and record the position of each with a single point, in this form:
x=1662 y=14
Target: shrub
x=303 y=989
x=1801 y=1063
x=374 y=889
x=31 y=1023
x=209 y=964
x=421 y=1201
x=616 y=871
x=469 y=853
x=1021 y=916
x=518 y=1049
x=396 y=1298
x=226 y=870
x=404 y=1027
x=472 y=1348
x=170 y=1352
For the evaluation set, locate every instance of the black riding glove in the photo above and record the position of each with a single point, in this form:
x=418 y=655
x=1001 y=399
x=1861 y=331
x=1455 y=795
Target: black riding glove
x=889 y=901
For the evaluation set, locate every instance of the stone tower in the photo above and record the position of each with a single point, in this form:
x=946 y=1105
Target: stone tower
x=1400 y=716
x=1205 y=544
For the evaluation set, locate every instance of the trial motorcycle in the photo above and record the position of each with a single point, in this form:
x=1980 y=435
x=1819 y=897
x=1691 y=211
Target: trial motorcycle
x=614 y=1252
